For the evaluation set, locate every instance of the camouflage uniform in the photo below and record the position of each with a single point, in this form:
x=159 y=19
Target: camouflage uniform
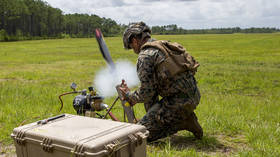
x=180 y=96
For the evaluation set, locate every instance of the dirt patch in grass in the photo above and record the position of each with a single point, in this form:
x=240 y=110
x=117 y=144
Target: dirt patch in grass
x=7 y=151
x=17 y=79
x=237 y=142
x=2 y=80
x=211 y=145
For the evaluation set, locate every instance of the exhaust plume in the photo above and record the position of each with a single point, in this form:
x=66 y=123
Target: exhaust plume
x=106 y=79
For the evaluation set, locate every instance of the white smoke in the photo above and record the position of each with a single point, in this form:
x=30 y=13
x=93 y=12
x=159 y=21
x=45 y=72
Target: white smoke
x=106 y=79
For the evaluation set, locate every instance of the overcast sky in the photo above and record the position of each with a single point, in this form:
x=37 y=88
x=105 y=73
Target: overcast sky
x=188 y=14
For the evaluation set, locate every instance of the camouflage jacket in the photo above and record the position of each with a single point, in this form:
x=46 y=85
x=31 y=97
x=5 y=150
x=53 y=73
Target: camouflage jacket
x=182 y=89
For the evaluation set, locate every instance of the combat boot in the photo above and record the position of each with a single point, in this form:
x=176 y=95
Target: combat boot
x=191 y=124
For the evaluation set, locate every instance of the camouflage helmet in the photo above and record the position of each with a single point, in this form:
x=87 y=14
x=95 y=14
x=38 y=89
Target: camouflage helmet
x=133 y=29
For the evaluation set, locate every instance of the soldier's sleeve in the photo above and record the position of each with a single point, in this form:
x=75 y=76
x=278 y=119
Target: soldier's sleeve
x=146 y=93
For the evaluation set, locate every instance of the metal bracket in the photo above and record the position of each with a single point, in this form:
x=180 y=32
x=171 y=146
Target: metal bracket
x=78 y=150
x=20 y=138
x=47 y=145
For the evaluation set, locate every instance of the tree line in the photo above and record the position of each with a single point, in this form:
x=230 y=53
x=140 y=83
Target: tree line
x=174 y=29
x=36 y=19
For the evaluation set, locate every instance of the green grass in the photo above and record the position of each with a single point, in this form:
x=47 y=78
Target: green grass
x=239 y=79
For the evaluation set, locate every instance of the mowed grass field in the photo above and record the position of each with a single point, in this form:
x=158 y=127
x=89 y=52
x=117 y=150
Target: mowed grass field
x=239 y=79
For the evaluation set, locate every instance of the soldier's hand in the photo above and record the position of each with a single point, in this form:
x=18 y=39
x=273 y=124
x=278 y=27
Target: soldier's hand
x=124 y=89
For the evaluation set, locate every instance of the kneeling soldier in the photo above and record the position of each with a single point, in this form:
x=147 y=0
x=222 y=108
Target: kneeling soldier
x=164 y=69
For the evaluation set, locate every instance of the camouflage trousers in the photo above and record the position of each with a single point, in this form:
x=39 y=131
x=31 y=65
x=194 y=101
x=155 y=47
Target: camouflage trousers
x=163 y=119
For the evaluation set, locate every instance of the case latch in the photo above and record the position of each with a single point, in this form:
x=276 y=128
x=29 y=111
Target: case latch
x=140 y=137
x=135 y=141
x=113 y=148
x=132 y=145
x=78 y=151
x=47 y=145
x=20 y=138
